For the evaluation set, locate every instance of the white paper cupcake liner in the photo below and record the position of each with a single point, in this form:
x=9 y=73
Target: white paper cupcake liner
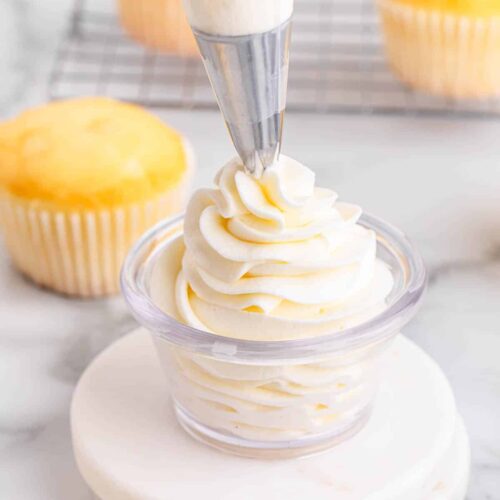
x=160 y=24
x=79 y=253
x=444 y=54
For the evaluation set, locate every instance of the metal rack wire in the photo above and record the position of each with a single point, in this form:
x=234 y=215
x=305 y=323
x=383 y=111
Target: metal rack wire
x=337 y=66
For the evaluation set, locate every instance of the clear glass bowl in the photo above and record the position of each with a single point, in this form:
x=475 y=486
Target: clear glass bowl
x=273 y=398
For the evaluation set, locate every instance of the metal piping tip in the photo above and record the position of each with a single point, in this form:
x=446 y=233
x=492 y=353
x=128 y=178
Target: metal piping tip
x=249 y=75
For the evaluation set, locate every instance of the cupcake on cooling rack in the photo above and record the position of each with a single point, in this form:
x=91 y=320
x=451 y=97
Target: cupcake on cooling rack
x=80 y=180
x=158 y=24
x=445 y=47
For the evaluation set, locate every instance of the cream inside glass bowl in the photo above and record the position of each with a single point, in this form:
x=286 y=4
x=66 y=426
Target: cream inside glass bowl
x=269 y=354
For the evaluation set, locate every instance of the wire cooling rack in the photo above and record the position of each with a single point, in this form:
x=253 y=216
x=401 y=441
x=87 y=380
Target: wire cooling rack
x=337 y=65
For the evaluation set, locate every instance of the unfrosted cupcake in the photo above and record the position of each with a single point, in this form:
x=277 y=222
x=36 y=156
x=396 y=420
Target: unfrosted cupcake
x=80 y=180
x=445 y=47
x=159 y=24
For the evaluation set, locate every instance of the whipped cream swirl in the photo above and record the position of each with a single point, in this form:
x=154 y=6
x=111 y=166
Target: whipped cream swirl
x=275 y=258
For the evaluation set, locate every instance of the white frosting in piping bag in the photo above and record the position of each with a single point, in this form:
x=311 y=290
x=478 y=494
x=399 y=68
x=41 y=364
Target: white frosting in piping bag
x=273 y=258
x=237 y=17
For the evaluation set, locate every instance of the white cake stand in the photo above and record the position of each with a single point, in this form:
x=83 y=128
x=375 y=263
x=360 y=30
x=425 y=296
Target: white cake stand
x=128 y=444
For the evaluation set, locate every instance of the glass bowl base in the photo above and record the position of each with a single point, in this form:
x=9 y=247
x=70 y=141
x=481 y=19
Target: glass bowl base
x=270 y=450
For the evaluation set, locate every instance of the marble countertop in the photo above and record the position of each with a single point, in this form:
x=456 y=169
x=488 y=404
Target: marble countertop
x=439 y=180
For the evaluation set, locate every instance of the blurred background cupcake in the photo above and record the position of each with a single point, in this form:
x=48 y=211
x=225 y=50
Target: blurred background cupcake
x=80 y=180
x=158 y=24
x=445 y=47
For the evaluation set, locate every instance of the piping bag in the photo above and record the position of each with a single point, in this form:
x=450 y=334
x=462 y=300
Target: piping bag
x=245 y=46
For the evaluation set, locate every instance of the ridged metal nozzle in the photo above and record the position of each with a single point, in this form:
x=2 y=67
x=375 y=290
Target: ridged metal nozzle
x=249 y=75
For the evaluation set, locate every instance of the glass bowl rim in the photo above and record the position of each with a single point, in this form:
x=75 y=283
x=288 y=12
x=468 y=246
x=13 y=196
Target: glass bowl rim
x=380 y=327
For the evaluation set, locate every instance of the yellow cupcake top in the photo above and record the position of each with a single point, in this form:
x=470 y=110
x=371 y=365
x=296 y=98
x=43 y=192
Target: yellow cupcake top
x=88 y=153
x=459 y=7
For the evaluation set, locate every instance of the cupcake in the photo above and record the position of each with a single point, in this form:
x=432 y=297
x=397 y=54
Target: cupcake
x=158 y=24
x=445 y=47
x=80 y=180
